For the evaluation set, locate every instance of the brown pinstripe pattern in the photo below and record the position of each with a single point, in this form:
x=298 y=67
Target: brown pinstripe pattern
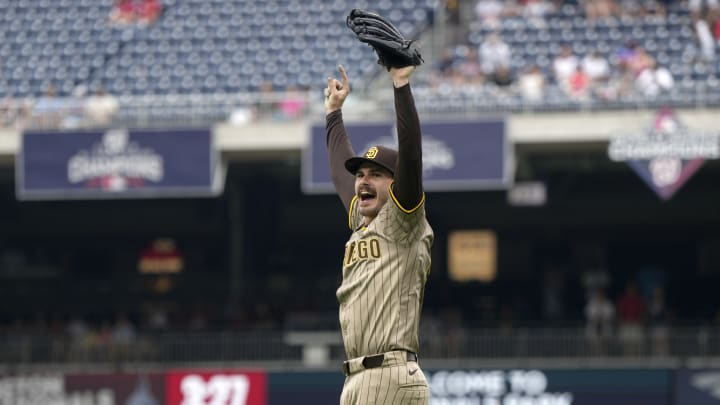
x=393 y=385
x=385 y=268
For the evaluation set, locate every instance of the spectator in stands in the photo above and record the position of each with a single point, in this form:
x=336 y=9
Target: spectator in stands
x=74 y=108
x=267 y=102
x=157 y=319
x=445 y=63
x=625 y=53
x=631 y=315
x=122 y=337
x=638 y=60
x=468 y=67
x=578 y=85
x=596 y=66
x=703 y=9
x=704 y=14
x=143 y=12
x=531 y=84
x=631 y=8
x=77 y=331
x=147 y=11
x=658 y=323
x=536 y=10
x=599 y=320
x=553 y=290
x=292 y=105
x=494 y=54
x=705 y=39
x=598 y=9
x=598 y=70
x=122 y=13
x=101 y=108
x=48 y=110
x=564 y=65
x=489 y=12
x=654 y=80
x=648 y=77
x=7 y=112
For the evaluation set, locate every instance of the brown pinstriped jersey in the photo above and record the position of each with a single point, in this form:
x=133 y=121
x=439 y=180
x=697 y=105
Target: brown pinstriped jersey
x=385 y=268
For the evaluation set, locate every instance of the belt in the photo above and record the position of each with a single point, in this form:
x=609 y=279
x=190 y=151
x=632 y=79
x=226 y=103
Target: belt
x=377 y=360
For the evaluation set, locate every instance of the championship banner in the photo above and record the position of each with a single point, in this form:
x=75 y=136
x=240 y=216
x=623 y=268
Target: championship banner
x=118 y=164
x=457 y=156
x=667 y=154
x=232 y=387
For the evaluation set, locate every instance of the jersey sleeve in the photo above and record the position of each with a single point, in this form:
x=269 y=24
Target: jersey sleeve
x=339 y=150
x=407 y=188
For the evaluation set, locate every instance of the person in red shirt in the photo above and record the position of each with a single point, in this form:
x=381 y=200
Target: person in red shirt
x=631 y=314
x=579 y=85
x=147 y=11
x=122 y=12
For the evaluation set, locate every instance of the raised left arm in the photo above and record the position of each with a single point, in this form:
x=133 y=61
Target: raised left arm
x=407 y=187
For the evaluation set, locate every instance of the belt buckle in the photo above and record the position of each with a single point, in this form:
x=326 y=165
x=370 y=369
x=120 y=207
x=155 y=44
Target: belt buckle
x=346 y=368
x=373 y=361
x=410 y=356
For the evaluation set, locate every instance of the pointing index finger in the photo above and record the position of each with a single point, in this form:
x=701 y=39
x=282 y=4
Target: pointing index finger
x=343 y=74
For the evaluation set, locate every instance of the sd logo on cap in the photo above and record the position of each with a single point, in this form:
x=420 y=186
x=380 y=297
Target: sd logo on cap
x=379 y=155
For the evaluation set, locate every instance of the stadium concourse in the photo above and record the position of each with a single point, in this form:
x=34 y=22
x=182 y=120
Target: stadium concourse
x=161 y=208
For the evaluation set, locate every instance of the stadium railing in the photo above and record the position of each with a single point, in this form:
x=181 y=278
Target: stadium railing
x=171 y=111
x=287 y=348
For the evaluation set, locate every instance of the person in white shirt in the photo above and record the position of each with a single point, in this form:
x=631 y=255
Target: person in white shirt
x=596 y=66
x=101 y=108
x=564 y=65
x=532 y=84
x=494 y=53
x=489 y=12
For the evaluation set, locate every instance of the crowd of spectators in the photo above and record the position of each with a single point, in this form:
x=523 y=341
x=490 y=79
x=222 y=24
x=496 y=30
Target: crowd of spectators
x=626 y=316
x=607 y=76
x=141 y=12
x=638 y=317
x=81 y=110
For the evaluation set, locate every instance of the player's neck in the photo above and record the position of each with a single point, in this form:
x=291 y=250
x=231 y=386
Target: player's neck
x=366 y=221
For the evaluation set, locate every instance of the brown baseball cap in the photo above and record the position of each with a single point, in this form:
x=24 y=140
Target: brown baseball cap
x=380 y=155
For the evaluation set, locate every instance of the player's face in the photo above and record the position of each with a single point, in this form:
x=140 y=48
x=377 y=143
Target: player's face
x=372 y=188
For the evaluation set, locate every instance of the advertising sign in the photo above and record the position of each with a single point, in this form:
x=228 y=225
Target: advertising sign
x=118 y=163
x=447 y=387
x=549 y=387
x=457 y=156
x=83 y=389
x=232 y=387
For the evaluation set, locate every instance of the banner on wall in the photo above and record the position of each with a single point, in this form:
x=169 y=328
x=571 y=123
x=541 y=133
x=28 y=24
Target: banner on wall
x=457 y=156
x=118 y=163
x=447 y=387
x=548 y=387
x=667 y=154
x=697 y=387
x=83 y=389
x=232 y=387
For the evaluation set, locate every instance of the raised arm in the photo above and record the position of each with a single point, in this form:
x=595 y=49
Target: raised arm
x=407 y=188
x=338 y=144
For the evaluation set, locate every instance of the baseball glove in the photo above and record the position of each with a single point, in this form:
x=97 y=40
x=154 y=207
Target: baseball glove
x=392 y=49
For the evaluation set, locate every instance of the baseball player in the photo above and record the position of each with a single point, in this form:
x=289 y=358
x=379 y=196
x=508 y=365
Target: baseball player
x=387 y=258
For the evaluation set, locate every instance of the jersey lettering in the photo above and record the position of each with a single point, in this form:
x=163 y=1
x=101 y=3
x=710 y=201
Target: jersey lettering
x=362 y=250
